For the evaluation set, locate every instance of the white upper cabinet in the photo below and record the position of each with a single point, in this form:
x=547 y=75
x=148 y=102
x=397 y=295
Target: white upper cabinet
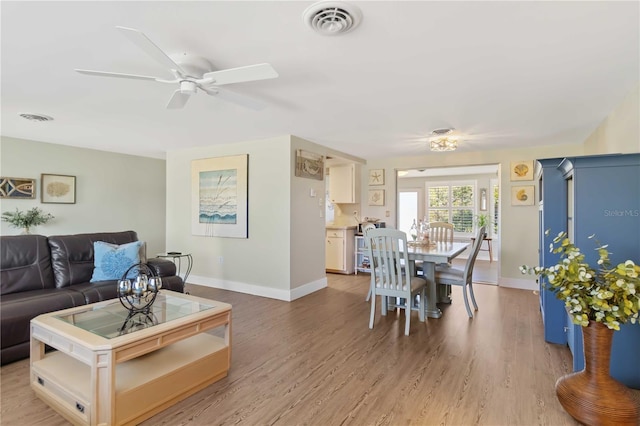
x=343 y=184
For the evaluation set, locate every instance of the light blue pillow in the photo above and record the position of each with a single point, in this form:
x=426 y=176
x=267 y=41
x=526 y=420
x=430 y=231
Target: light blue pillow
x=111 y=261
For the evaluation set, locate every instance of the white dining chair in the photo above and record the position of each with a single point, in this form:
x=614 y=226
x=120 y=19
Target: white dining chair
x=448 y=275
x=441 y=232
x=390 y=275
x=366 y=227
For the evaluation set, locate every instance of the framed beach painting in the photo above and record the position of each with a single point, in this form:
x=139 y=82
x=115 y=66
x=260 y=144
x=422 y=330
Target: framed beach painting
x=219 y=196
x=57 y=189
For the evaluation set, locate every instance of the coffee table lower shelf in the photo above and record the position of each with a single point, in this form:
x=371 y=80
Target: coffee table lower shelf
x=144 y=386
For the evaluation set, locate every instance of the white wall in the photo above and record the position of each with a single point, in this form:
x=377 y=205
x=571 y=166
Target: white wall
x=258 y=264
x=283 y=258
x=114 y=192
x=620 y=131
x=307 y=226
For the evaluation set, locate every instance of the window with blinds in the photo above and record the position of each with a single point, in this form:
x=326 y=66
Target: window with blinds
x=452 y=202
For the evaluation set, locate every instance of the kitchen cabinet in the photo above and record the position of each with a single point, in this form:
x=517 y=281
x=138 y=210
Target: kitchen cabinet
x=589 y=195
x=339 y=250
x=344 y=185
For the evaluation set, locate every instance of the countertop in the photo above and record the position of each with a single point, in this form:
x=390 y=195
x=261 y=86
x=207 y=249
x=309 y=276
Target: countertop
x=332 y=226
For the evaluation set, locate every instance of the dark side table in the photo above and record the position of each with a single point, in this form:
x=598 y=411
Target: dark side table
x=177 y=257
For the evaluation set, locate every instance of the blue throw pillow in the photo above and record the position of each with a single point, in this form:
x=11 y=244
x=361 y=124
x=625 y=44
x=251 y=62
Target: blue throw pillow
x=112 y=261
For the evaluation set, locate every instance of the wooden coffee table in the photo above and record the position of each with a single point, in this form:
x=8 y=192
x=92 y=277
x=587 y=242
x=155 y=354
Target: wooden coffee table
x=111 y=369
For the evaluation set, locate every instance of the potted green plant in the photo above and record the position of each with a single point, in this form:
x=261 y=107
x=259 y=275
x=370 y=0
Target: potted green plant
x=483 y=220
x=26 y=220
x=600 y=299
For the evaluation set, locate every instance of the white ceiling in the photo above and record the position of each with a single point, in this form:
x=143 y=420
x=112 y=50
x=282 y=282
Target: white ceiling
x=502 y=73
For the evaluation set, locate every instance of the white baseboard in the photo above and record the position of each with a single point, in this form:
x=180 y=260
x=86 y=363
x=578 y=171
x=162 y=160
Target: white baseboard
x=518 y=283
x=258 y=290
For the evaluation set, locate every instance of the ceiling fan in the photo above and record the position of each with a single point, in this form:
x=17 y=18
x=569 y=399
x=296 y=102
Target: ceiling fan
x=192 y=73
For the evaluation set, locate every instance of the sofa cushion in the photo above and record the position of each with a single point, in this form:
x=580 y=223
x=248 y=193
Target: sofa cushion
x=111 y=261
x=25 y=264
x=72 y=255
x=18 y=309
x=97 y=291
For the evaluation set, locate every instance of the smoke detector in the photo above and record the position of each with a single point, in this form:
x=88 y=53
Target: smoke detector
x=332 y=17
x=36 y=117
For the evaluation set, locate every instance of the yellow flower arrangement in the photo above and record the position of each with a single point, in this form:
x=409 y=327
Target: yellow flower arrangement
x=610 y=295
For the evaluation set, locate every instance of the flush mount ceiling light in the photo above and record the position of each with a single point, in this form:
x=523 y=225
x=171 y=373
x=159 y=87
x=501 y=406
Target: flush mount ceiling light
x=440 y=142
x=332 y=17
x=36 y=117
x=443 y=144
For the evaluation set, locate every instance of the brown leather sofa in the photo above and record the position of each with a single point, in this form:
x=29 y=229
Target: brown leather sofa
x=41 y=274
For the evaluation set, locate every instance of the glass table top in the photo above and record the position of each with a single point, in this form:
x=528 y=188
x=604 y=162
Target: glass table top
x=113 y=320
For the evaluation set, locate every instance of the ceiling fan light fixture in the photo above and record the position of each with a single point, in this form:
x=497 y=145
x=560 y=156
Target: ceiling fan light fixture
x=332 y=17
x=443 y=144
x=188 y=87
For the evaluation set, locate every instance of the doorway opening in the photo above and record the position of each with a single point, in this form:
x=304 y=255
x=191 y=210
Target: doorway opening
x=464 y=196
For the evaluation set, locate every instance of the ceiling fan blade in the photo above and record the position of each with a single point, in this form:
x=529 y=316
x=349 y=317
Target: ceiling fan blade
x=241 y=74
x=178 y=100
x=116 y=74
x=236 y=98
x=144 y=43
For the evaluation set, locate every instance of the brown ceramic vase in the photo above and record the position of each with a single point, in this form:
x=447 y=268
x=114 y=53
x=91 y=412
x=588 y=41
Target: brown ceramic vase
x=592 y=396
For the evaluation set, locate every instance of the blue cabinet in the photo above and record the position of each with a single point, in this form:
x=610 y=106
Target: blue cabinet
x=593 y=195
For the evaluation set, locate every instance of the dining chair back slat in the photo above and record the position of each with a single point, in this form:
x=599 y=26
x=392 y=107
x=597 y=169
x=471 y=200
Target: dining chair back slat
x=441 y=232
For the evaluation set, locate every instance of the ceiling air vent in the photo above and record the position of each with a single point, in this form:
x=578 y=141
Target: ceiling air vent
x=332 y=17
x=36 y=117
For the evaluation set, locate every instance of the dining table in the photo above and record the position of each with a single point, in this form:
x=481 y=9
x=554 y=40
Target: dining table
x=430 y=255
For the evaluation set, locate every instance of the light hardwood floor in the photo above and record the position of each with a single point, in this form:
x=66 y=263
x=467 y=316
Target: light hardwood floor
x=314 y=361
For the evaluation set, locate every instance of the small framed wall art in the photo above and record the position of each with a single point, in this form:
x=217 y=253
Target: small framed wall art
x=309 y=165
x=376 y=197
x=522 y=170
x=57 y=189
x=16 y=188
x=376 y=177
x=522 y=195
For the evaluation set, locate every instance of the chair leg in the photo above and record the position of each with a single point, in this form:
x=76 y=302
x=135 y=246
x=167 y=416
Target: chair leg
x=421 y=304
x=373 y=311
x=473 y=297
x=407 y=309
x=466 y=301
